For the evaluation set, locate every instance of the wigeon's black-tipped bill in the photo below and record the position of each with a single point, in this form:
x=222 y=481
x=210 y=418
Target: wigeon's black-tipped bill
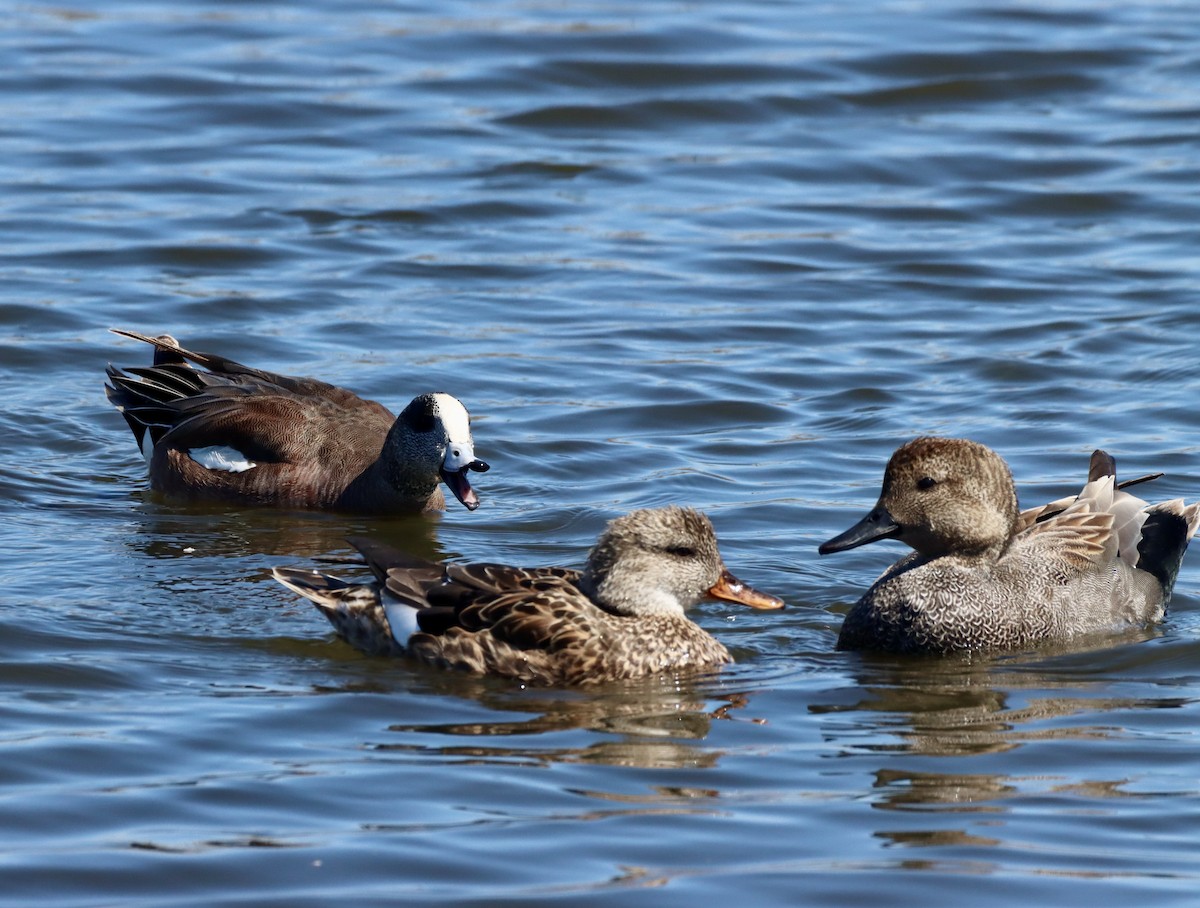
x=875 y=526
x=730 y=588
x=458 y=483
x=478 y=466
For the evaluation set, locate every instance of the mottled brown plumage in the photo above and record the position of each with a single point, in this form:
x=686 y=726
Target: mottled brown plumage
x=987 y=576
x=228 y=432
x=621 y=617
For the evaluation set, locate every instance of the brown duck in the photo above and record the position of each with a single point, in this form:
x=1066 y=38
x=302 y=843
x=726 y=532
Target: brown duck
x=985 y=575
x=228 y=432
x=621 y=617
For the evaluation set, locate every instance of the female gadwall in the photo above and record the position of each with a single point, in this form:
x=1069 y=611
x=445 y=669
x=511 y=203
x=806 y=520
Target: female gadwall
x=233 y=433
x=622 y=616
x=984 y=576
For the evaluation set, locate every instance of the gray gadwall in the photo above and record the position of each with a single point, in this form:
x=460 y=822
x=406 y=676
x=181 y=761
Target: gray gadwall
x=987 y=576
x=621 y=617
x=227 y=432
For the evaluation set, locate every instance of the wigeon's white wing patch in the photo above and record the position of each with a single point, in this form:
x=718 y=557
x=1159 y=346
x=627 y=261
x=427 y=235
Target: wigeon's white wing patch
x=401 y=616
x=222 y=459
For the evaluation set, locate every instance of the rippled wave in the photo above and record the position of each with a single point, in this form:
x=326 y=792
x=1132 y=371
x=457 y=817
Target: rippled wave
x=724 y=255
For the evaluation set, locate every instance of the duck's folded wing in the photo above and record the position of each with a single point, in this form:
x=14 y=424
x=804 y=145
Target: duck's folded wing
x=261 y=427
x=1106 y=525
x=490 y=577
x=468 y=596
x=1077 y=540
x=1101 y=468
x=524 y=607
x=520 y=632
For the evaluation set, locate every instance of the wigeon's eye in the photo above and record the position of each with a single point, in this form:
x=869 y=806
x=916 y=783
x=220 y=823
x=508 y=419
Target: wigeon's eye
x=926 y=482
x=682 y=551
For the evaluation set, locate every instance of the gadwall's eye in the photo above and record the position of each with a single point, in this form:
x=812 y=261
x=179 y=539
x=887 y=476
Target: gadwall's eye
x=926 y=482
x=682 y=551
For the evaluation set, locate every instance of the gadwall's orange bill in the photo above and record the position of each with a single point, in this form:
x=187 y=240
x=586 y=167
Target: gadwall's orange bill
x=730 y=588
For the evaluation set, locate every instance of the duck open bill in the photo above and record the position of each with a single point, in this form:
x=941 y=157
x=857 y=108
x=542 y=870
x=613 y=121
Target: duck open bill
x=458 y=483
x=730 y=588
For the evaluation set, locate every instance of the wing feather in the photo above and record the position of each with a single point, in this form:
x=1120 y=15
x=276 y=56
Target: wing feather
x=1078 y=539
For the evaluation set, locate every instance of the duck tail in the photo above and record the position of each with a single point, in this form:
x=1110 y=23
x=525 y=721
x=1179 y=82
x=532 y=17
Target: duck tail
x=147 y=395
x=319 y=588
x=353 y=609
x=1102 y=464
x=1169 y=527
x=168 y=352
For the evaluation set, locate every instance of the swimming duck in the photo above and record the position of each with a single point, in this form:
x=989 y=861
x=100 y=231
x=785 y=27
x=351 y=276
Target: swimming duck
x=621 y=617
x=987 y=576
x=233 y=433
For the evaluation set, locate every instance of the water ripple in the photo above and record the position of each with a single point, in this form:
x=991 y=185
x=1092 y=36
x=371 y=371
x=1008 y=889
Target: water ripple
x=728 y=256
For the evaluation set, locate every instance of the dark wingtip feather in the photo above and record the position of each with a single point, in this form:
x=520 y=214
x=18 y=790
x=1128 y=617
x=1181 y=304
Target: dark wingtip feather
x=1102 y=464
x=169 y=352
x=382 y=557
x=1149 y=477
x=1164 y=540
x=437 y=620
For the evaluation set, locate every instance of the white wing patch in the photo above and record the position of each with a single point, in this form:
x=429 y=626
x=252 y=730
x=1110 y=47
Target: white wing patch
x=400 y=615
x=222 y=459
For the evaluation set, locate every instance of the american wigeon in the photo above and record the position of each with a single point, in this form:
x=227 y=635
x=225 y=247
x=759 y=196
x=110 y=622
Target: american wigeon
x=987 y=576
x=622 y=616
x=228 y=432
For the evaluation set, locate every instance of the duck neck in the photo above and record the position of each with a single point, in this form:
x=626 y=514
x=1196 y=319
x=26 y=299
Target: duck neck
x=627 y=592
x=387 y=485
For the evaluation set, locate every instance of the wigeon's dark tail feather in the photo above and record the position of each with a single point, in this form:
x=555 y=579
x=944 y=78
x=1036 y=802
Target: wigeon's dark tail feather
x=146 y=397
x=166 y=356
x=167 y=351
x=170 y=381
x=172 y=355
x=159 y=385
x=169 y=354
x=1165 y=535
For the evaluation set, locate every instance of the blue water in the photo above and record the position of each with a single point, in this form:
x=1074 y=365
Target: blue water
x=723 y=255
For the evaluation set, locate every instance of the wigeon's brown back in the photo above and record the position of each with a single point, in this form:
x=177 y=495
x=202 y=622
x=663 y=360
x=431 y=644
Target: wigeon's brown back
x=229 y=432
x=621 y=617
x=985 y=575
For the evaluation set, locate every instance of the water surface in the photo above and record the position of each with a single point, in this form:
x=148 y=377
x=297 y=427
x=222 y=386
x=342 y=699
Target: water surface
x=725 y=255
